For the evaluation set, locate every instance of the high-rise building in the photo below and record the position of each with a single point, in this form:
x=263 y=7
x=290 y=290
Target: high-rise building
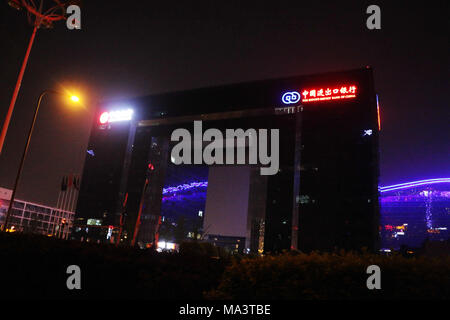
x=315 y=135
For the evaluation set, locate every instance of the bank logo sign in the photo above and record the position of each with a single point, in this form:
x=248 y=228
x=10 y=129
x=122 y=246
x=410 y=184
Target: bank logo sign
x=291 y=97
x=320 y=94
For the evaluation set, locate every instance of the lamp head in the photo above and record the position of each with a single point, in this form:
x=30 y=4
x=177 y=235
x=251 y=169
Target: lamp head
x=75 y=98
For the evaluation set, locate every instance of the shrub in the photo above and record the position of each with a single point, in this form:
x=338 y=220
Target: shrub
x=35 y=267
x=333 y=276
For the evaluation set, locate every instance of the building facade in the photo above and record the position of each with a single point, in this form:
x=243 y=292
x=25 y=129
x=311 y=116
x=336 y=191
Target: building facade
x=322 y=193
x=35 y=218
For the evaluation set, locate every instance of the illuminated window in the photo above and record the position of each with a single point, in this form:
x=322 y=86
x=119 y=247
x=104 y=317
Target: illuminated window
x=94 y=222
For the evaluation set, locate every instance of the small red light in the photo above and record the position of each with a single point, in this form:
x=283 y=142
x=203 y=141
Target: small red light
x=151 y=167
x=104 y=117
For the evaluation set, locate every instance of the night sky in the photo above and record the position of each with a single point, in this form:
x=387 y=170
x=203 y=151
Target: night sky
x=128 y=49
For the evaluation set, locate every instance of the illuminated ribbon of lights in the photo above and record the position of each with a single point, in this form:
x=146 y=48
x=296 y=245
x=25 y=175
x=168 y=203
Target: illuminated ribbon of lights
x=185 y=187
x=413 y=184
x=406 y=185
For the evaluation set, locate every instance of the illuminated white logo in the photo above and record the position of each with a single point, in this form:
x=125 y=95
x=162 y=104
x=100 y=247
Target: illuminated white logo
x=291 y=97
x=114 y=116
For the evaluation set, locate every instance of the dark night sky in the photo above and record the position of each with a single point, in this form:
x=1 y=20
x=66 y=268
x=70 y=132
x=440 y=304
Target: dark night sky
x=158 y=46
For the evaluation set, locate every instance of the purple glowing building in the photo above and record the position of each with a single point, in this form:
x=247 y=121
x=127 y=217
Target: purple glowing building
x=414 y=212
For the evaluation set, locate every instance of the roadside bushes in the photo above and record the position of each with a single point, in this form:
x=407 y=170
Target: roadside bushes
x=35 y=267
x=195 y=248
x=333 y=276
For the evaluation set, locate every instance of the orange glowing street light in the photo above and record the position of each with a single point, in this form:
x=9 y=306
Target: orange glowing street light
x=73 y=98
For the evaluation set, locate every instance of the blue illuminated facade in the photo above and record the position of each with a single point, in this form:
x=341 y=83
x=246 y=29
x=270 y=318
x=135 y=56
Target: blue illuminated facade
x=415 y=212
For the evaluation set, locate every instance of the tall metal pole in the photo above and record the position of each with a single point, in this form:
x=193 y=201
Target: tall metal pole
x=55 y=212
x=50 y=226
x=16 y=89
x=63 y=208
x=22 y=161
x=138 y=220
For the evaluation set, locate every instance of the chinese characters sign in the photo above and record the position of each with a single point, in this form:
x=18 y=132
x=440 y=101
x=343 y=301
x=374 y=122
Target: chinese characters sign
x=333 y=93
x=320 y=94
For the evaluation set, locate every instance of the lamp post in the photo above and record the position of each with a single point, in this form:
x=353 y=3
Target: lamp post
x=22 y=161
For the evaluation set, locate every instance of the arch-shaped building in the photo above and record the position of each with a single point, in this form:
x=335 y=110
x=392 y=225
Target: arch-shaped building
x=318 y=190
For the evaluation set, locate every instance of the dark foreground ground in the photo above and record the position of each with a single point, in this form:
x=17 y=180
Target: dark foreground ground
x=35 y=267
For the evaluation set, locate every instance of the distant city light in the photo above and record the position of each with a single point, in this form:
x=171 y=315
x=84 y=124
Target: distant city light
x=163 y=245
x=110 y=230
x=94 y=222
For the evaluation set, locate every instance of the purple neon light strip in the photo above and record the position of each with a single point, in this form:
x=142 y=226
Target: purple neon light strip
x=184 y=187
x=413 y=184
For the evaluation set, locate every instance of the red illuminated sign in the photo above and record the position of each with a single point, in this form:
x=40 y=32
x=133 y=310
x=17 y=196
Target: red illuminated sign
x=114 y=116
x=104 y=117
x=325 y=94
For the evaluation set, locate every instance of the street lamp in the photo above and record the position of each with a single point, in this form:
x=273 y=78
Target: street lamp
x=22 y=161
